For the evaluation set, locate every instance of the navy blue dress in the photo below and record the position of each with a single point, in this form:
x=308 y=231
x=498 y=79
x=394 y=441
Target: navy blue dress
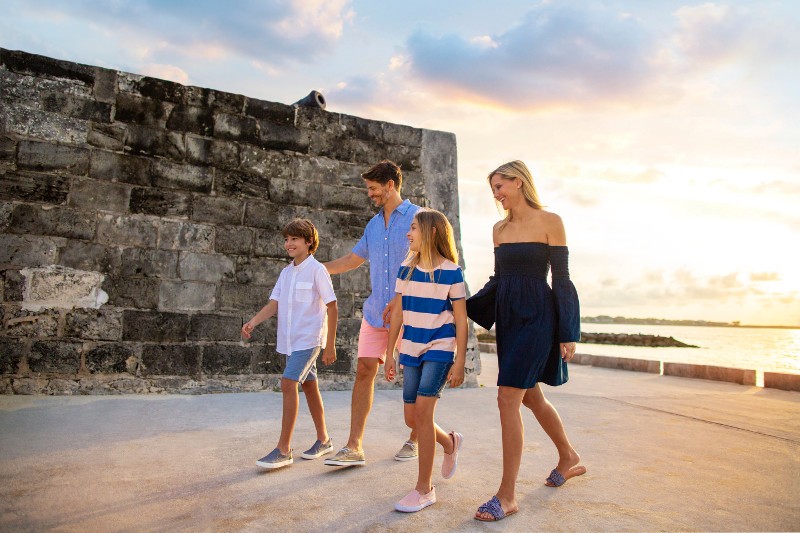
x=531 y=318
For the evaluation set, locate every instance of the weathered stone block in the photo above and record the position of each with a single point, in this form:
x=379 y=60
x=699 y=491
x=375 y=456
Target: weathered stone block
x=777 y=380
x=52 y=157
x=55 y=221
x=22 y=323
x=226 y=359
x=160 y=202
x=36 y=65
x=206 y=267
x=269 y=243
x=13 y=286
x=266 y=332
x=311 y=118
x=328 y=171
x=293 y=192
x=192 y=119
x=170 y=360
x=626 y=363
x=282 y=137
x=243 y=298
x=118 y=167
x=96 y=324
x=238 y=185
x=46 y=126
x=270 y=216
x=145 y=111
x=28 y=90
x=258 y=270
x=362 y=128
x=345 y=199
x=11 y=352
x=222 y=102
x=234 y=240
x=108 y=136
x=154 y=326
x=137 y=262
x=185 y=236
x=82 y=255
x=152 y=141
x=220 y=154
x=127 y=231
x=8 y=149
x=400 y=134
x=105 y=85
x=55 y=356
x=187 y=296
x=265 y=163
x=235 y=128
x=217 y=210
x=215 y=328
x=60 y=287
x=19 y=251
x=110 y=358
x=140 y=293
x=77 y=107
x=177 y=176
x=155 y=88
x=100 y=195
x=413 y=183
x=34 y=187
x=272 y=111
x=408 y=157
x=716 y=373
x=266 y=360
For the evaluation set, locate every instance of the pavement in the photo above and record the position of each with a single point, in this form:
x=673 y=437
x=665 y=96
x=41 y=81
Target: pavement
x=662 y=453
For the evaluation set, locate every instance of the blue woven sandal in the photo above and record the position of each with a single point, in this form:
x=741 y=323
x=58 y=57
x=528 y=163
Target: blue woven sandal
x=494 y=508
x=556 y=478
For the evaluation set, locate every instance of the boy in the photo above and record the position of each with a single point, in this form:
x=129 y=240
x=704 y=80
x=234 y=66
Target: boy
x=301 y=298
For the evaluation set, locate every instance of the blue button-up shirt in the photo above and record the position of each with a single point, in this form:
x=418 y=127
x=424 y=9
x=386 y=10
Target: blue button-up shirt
x=385 y=248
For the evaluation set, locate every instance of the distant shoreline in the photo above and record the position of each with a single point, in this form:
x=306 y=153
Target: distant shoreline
x=664 y=322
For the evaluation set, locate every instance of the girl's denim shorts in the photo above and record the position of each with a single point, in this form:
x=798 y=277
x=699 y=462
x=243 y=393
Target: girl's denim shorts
x=428 y=379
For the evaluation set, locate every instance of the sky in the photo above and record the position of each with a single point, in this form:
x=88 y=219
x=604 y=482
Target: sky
x=664 y=133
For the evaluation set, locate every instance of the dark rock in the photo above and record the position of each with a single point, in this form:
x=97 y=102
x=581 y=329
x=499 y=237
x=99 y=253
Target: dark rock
x=154 y=327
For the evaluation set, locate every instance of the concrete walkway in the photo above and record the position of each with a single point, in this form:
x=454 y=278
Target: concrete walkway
x=662 y=453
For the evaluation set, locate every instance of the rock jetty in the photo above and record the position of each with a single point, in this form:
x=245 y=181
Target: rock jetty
x=637 y=339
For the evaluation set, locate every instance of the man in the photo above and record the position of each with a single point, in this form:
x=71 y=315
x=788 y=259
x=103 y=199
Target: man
x=385 y=245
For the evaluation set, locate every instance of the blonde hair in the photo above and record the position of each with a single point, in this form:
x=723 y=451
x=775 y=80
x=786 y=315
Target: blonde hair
x=513 y=170
x=437 y=239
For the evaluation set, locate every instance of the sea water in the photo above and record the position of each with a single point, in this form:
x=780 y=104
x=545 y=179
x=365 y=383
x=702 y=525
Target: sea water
x=764 y=349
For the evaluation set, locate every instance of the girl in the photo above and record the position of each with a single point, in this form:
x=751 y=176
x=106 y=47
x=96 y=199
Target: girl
x=431 y=309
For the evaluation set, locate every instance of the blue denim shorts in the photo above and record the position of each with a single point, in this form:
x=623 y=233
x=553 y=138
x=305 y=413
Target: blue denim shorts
x=301 y=365
x=427 y=379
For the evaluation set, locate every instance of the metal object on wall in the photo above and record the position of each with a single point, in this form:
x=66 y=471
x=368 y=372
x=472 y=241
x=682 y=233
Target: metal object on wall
x=314 y=99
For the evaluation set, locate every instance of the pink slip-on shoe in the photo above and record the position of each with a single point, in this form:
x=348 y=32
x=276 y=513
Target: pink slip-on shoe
x=414 y=501
x=450 y=461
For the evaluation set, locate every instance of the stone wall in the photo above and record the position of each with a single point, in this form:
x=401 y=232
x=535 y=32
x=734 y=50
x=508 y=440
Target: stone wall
x=140 y=225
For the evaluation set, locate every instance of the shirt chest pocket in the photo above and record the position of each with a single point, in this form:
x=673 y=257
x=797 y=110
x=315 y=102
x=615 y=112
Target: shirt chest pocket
x=303 y=291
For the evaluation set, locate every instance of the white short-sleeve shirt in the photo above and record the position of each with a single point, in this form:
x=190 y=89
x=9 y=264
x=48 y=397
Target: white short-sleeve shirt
x=302 y=293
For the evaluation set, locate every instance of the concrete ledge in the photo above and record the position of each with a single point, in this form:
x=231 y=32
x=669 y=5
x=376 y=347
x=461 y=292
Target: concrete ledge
x=777 y=380
x=715 y=373
x=487 y=347
x=582 y=359
x=625 y=363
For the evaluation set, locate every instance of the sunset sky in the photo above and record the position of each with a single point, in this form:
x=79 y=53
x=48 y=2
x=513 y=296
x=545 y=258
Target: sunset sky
x=665 y=133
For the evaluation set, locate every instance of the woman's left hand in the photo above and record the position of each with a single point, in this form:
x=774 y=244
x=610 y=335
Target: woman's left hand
x=568 y=350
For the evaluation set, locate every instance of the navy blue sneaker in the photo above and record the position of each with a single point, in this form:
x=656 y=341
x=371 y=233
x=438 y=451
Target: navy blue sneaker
x=318 y=449
x=275 y=459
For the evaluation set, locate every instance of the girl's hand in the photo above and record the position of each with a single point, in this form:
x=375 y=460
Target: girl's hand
x=456 y=375
x=247 y=330
x=568 y=350
x=388 y=368
x=329 y=355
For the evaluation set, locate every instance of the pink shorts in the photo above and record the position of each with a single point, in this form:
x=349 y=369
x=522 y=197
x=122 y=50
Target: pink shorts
x=372 y=341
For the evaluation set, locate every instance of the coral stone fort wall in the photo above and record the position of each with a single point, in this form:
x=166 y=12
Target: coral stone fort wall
x=140 y=226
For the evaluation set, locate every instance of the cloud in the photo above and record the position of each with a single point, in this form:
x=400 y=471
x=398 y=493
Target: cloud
x=765 y=276
x=276 y=31
x=166 y=72
x=571 y=56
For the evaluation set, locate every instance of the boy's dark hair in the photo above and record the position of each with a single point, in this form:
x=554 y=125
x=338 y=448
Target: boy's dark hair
x=383 y=172
x=303 y=228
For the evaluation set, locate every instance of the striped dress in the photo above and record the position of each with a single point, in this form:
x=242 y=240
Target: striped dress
x=429 y=330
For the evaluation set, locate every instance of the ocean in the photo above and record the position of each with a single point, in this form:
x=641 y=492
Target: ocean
x=761 y=349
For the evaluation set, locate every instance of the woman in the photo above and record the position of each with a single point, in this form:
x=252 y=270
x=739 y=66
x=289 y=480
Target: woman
x=537 y=327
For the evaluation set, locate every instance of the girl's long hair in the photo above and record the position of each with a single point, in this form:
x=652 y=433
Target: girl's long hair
x=437 y=239
x=510 y=171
